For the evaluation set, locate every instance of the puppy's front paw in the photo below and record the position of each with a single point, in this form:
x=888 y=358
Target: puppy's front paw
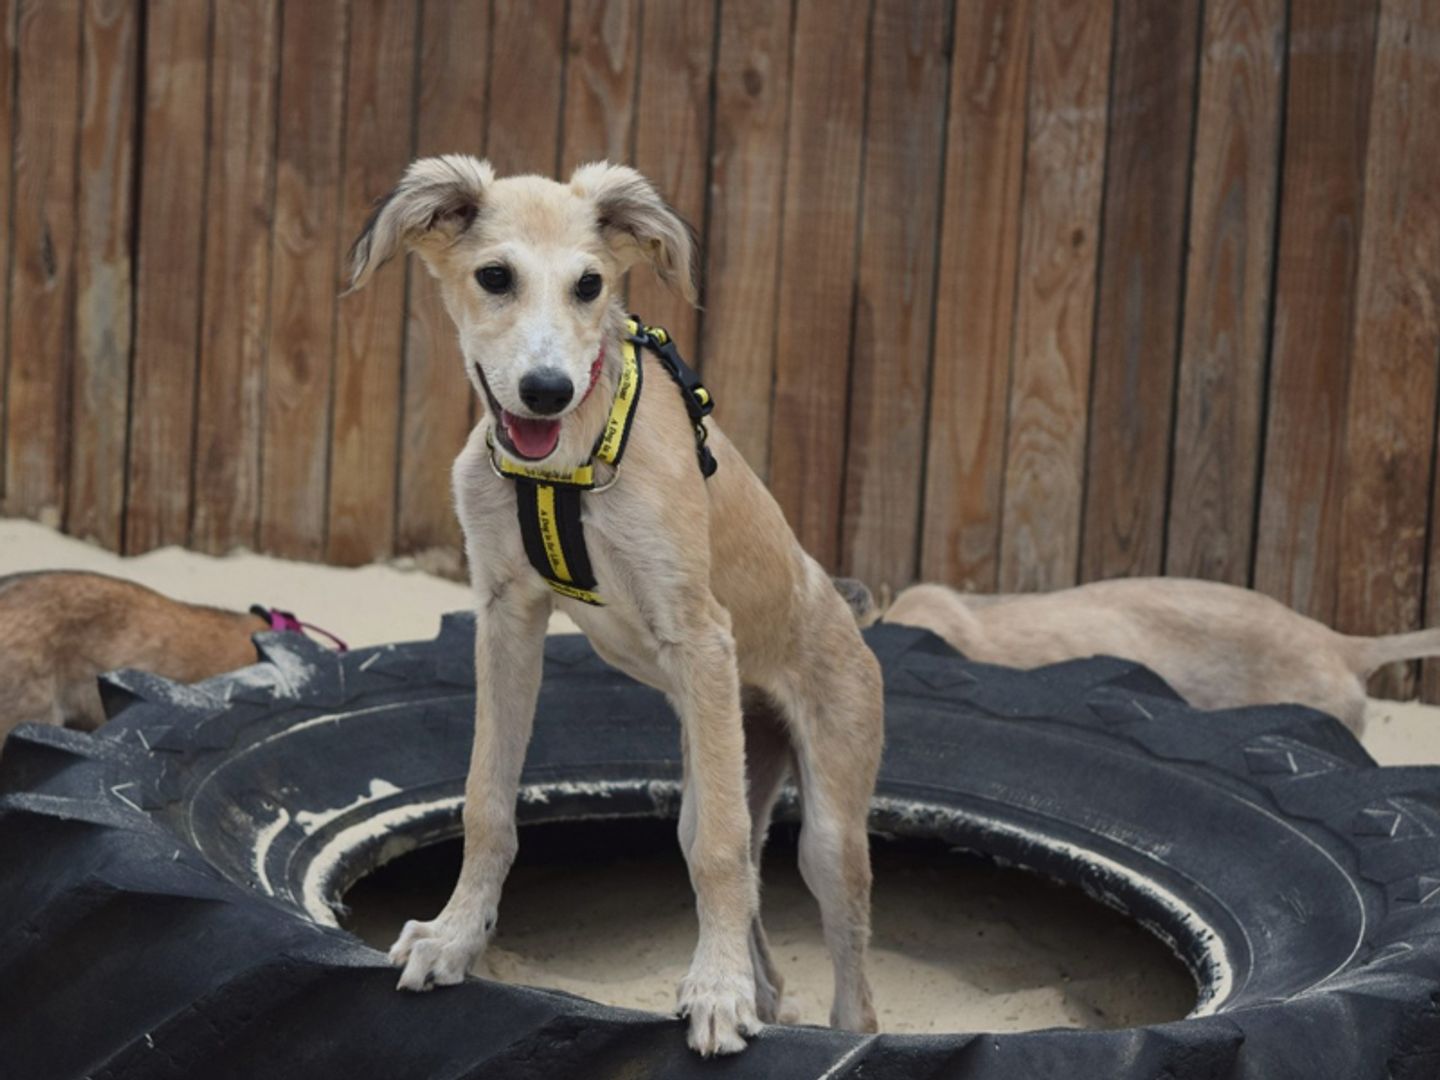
x=721 y=1009
x=435 y=953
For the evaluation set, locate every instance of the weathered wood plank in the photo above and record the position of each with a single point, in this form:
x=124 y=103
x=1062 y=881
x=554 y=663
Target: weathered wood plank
x=1331 y=57
x=818 y=241
x=95 y=505
x=168 y=273
x=370 y=345
x=1227 y=292
x=1142 y=266
x=672 y=138
x=527 y=81
x=895 y=299
x=1390 y=415
x=235 y=305
x=8 y=60
x=436 y=417
x=305 y=279
x=42 y=276
x=600 y=82
x=1055 y=305
x=742 y=245
x=975 y=302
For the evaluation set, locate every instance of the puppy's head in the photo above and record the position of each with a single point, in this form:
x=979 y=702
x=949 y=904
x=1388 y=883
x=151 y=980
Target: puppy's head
x=530 y=270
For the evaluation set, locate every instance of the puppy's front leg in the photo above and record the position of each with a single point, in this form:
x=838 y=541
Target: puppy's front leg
x=509 y=651
x=718 y=993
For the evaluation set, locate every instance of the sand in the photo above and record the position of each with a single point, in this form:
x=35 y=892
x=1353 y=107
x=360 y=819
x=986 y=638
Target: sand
x=959 y=945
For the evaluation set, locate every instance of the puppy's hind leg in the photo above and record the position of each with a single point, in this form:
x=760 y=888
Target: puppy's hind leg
x=837 y=733
x=768 y=757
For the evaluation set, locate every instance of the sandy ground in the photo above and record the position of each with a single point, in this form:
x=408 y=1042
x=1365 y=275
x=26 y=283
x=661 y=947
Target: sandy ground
x=958 y=944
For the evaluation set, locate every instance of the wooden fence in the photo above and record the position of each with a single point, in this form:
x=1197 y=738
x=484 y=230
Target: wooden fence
x=1008 y=294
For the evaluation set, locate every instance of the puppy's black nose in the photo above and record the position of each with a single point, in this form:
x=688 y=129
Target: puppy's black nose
x=546 y=391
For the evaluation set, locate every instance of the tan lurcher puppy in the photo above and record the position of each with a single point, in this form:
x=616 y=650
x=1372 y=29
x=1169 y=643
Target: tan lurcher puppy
x=708 y=596
x=1218 y=646
x=61 y=629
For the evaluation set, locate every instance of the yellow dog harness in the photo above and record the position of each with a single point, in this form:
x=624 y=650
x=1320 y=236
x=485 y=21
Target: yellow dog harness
x=547 y=501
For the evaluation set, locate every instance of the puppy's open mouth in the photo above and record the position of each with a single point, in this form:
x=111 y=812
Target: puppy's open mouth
x=528 y=437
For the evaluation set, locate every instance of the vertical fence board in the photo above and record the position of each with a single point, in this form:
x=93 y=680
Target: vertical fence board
x=895 y=298
x=600 y=82
x=822 y=198
x=436 y=418
x=1227 y=292
x=304 y=279
x=370 y=341
x=1060 y=222
x=111 y=47
x=1141 y=276
x=235 y=304
x=42 y=277
x=9 y=59
x=672 y=137
x=1391 y=406
x=742 y=244
x=975 y=299
x=167 y=299
x=1331 y=50
x=527 y=79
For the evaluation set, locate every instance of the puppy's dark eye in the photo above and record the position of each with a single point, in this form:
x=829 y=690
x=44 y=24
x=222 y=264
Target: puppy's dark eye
x=588 y=287
x=494 y=279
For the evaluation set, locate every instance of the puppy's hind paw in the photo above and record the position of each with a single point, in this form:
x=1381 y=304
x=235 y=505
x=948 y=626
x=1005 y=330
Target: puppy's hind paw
x=721 y=1011
x=434 y=953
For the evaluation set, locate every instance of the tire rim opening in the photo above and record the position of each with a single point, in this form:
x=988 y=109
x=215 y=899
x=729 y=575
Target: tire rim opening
x=604 y=909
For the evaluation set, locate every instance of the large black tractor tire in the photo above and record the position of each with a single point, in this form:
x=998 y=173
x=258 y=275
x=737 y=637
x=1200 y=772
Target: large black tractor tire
x=167 y=886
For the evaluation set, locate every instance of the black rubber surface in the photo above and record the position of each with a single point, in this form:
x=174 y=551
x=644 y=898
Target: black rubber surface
x=164 y=883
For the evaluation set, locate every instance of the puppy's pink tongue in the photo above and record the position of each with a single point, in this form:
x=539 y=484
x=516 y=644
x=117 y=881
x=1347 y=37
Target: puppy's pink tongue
x=533 y=438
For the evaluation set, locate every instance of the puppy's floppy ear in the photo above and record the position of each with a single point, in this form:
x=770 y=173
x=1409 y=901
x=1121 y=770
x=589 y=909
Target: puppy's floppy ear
x=637 y=222
x=436 y=200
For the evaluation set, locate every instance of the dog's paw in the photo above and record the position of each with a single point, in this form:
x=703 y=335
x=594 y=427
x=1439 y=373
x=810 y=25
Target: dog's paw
x=721 y=1010
x=435 y=953
x=788 y=1011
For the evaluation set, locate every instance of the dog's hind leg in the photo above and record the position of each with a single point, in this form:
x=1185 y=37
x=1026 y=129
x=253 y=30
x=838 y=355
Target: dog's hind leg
x=837 y=733
x=768 y=758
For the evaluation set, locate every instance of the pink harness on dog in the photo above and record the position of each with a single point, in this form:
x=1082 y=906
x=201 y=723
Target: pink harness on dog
x=286 y=620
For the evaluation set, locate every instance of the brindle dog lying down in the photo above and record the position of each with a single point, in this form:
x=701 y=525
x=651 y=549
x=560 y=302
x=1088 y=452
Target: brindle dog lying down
x=1219 y=646
x=61 y=629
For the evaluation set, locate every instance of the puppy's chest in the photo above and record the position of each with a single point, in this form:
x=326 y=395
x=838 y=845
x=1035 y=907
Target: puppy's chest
x=620 y=557
x=618 y=628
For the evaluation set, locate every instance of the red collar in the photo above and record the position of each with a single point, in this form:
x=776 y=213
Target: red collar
x=595 y=369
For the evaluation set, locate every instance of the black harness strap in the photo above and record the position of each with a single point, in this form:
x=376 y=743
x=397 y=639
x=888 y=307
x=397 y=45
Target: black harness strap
x=698 y=402
x=547 y=501
x=554 y=540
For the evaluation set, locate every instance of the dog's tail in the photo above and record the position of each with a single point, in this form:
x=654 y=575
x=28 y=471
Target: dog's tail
x=1370 y=653
x=861 y=600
